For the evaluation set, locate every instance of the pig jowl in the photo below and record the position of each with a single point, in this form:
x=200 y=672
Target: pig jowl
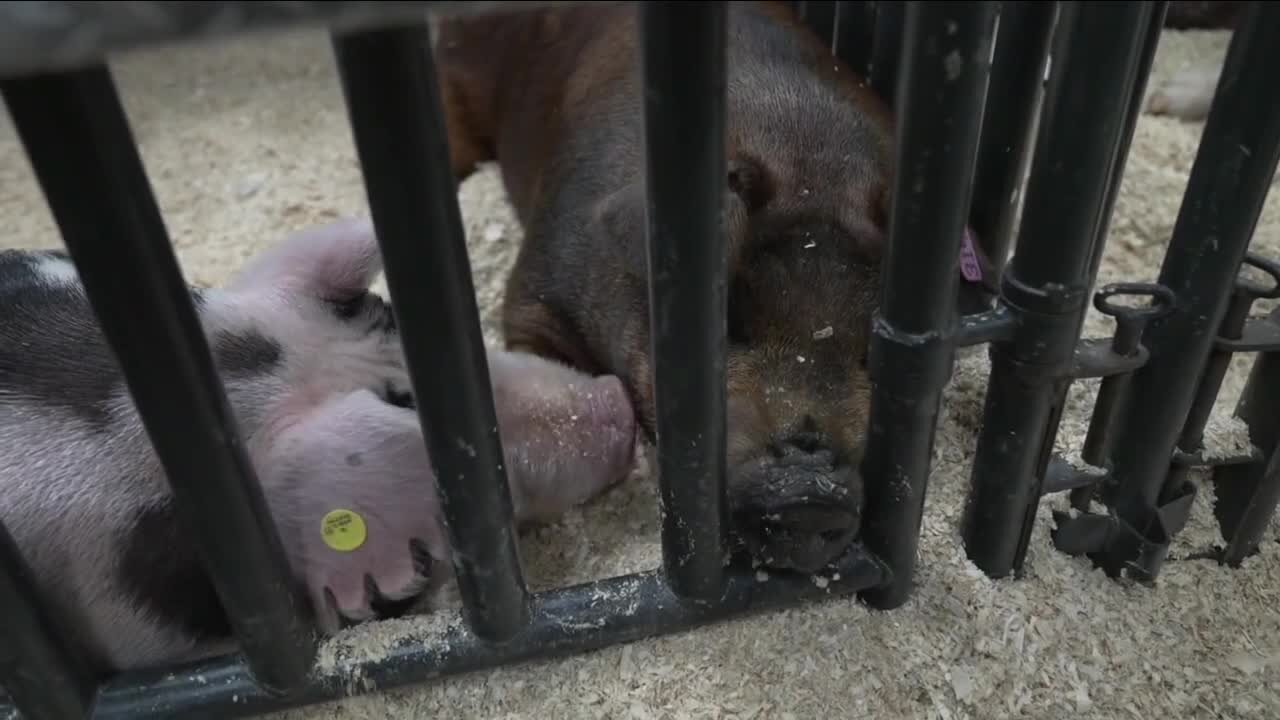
x=315 y=376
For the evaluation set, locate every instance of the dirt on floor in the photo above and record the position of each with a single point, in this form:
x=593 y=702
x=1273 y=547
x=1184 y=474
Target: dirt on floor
x=249 y=140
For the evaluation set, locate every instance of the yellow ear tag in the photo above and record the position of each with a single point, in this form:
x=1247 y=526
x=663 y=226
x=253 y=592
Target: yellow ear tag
x=343 y=530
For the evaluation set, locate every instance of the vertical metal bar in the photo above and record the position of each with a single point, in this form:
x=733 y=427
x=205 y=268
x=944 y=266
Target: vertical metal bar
x=1137 y=94
x=389 y=83
x=1112 y=390
x=80 y=145
x=886 y=50
x=820 y=16
x=39 y=667
x=855 y=35
x=1246 y=494
x=1229 y=181
x=1209 y=384
x=1097 y=46
x=1017 y=73
x=683 y=54
x=946 y=56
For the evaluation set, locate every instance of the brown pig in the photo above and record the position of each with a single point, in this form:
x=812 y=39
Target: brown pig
x=554 y=96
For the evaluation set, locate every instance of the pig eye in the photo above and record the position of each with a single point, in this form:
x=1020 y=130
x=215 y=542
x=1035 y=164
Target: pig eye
x=350 y=308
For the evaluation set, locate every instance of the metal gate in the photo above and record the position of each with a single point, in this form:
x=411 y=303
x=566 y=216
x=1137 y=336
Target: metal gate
x=965 y=143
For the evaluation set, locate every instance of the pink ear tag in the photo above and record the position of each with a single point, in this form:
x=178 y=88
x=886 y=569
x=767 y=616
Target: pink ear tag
x=970 y=268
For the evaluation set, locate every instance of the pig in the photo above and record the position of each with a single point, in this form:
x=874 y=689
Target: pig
x=553 y=96
x=316 y=380
x=1188 y=93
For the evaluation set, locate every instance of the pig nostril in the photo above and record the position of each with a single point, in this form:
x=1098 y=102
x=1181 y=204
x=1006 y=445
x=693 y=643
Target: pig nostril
x=805 y=442
x=832 y=536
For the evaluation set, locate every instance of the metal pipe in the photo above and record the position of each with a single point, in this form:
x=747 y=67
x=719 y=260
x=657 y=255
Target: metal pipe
x=1137 y=95
x=1013 y=101
x=945 y=61
x=40 y=37
x=820 y=16
x=1246 y=494
x=1229 y=182
x=683 y=51
x=42 y=671
x=82 y=150
x=392 y=95
x=1209 y=385
x=886 y=50
x=565 y=621
x=1097 y=45
x=855 y=35
x=1113 y=390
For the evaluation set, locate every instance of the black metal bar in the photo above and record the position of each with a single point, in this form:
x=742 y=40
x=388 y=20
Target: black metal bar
x=1232 y=330
x=1096 y=47
x=1114 y=389
x=392 y=95
x=938 y=122
x=1017 y=72
x=1246 y=494
x=855 y=35
x=683 y=51
x=1229 y=181
x=565 y=621
x=1137 y=95
x=820 y=16
x=1209 y=384
x=40 y=668
x=82 y=150
x=1126 y=344
x=978 y=328
x=40 y=37
x=886 y=50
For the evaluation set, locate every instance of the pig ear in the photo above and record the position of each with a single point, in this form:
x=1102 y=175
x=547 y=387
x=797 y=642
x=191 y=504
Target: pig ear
x=336 y=261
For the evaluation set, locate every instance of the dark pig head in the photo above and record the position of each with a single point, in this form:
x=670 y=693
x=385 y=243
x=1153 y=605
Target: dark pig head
x=804 y=278
x=803 y=282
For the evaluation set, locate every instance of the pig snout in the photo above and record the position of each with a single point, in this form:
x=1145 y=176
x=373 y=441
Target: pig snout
x=799 y=506
x=614 y=424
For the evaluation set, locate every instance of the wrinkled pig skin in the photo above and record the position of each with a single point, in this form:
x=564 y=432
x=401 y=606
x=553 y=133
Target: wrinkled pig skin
x=554 y=97
x=314 y=373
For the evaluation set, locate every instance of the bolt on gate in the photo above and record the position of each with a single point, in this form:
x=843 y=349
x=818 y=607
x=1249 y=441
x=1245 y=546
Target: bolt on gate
x=969 y=138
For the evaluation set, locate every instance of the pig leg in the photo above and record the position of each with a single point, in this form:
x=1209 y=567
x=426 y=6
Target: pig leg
x=352 y=490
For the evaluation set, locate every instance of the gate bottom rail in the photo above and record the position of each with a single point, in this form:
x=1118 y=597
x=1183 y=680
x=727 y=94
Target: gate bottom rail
x=565 y=621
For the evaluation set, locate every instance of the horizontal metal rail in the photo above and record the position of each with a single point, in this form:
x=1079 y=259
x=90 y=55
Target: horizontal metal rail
x=41 y=37
x=564 y=621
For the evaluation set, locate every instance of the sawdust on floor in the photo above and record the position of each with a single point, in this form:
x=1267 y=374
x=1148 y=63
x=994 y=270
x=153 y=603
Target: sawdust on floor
x=248 y=140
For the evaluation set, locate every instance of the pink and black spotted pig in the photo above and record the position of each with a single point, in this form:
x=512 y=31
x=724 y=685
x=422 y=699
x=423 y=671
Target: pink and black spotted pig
x=315 y=376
